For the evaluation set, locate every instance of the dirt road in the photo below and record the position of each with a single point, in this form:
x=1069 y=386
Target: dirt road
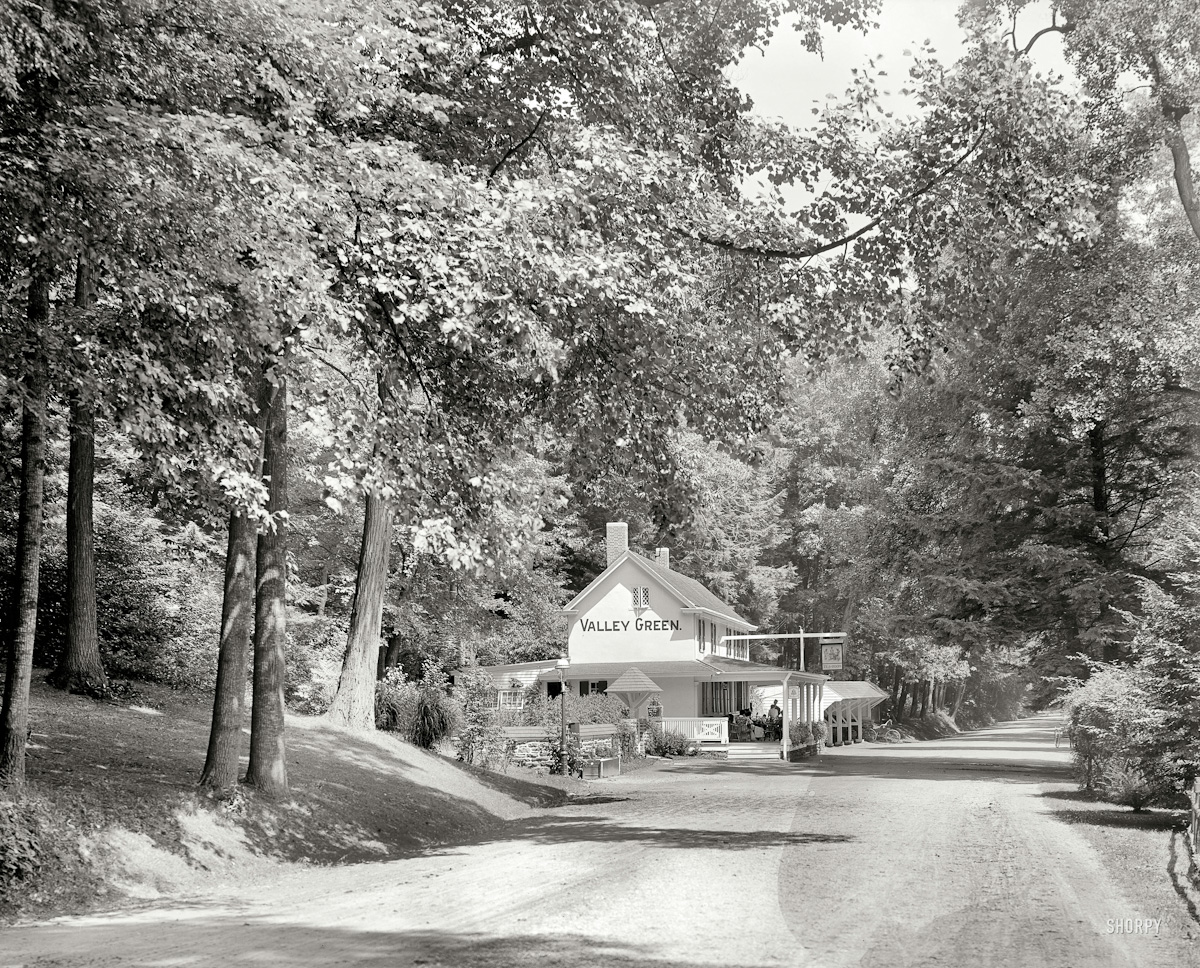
x=942 y=853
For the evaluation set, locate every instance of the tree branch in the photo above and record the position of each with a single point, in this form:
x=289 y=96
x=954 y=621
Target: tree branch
x=1173 y=114
x=728 y=246
x=513 y=149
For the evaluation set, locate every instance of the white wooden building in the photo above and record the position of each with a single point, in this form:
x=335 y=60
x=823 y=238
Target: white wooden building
x=639 y=614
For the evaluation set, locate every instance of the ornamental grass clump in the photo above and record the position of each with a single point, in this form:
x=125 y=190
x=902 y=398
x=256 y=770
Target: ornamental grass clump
x=395 y=703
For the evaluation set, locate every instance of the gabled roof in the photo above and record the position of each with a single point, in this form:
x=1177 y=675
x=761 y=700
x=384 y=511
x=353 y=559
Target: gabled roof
x=689 y=591
x=634 y=680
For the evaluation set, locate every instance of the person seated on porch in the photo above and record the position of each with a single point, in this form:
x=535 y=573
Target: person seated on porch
x=740 y=730
x=774 y=721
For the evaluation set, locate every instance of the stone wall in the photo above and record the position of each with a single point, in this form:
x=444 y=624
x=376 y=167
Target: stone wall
x=539 y=754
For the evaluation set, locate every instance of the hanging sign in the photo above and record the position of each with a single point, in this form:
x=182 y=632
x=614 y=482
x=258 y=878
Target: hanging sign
x=793 y=692
x=831 y=657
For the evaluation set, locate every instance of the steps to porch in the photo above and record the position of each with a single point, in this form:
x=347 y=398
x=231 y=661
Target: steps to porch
x=749 y=751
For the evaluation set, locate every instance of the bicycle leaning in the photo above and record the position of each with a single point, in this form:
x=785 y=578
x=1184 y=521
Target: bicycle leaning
x=884 y=732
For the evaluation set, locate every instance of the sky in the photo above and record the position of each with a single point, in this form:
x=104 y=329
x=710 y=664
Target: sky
x=785 y=81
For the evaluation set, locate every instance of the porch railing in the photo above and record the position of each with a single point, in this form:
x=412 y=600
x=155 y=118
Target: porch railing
x=701 y=730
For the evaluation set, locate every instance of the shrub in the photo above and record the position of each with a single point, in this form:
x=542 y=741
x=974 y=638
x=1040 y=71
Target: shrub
x=800 y=734
x=314 y=662
x=540 y=710
x=819 y=731
x=20 y=851
x=575 y=755
x=1126 y=783
x=157 y=605
x=628 y=740
x=480 y=738
x=1112 y=719
x=670 y=742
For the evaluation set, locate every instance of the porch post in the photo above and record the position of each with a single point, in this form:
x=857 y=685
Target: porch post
x=785 y=721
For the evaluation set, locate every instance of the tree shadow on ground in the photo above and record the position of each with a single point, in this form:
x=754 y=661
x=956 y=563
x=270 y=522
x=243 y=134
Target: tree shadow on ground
x=236 y=942
x=528 y=792
x=1125 y=818
x=883 y=767
x=1075 y=796
x=559 y=829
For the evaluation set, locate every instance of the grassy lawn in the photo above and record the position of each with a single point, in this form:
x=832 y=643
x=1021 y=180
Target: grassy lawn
x=1145 y=852
x=112 y=791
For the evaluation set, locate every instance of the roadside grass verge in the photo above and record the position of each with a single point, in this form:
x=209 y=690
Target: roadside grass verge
x=1144 y=852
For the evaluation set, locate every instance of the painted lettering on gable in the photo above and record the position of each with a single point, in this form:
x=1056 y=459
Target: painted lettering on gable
x=621 y=625
x=656 y=625
x=591 y=625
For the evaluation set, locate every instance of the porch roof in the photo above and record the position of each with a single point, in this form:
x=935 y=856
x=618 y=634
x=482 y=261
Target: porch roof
x=854 y=689
x=710 y=667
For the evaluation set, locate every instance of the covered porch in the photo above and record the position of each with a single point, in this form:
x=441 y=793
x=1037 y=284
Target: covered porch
x=697 y=696
x=731 y=686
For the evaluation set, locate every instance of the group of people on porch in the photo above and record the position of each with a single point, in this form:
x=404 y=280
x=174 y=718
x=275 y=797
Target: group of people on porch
x=745 y=727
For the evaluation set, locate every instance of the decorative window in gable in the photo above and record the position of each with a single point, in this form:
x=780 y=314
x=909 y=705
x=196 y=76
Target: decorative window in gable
x=641 y=596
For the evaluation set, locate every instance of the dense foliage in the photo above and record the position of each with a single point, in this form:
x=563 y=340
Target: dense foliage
x=400 y=302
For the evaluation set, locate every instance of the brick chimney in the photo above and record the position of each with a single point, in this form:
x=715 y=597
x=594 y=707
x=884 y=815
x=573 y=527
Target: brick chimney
x=618 y=540
x=662 y=558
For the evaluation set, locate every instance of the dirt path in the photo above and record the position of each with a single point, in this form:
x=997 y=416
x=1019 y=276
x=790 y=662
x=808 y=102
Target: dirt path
x=933 y=854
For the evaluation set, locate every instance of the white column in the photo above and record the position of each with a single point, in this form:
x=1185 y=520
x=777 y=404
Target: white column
x=785 y=722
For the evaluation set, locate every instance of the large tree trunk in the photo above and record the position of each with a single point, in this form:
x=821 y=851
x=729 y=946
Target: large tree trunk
x=392 y=655
x=903 y=698
x=959 y=695
x=354 y=703
x=1182 y=163
x=79 y=667
x=229 y=700
x=916 y=699
x=14 y=713
x=268 y=756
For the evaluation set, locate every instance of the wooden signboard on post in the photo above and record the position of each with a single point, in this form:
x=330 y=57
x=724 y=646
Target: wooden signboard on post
x=831 y=656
